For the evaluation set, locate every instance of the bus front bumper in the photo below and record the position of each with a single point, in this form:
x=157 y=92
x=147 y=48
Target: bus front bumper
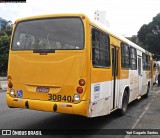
x=51 y=106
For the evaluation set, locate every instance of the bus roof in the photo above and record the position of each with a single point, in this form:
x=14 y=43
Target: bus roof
x=115 y=34
x=50 y=16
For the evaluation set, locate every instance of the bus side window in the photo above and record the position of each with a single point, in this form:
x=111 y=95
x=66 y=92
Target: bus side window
x=95 y=43
x=124 y=56
x=133 y=58
x=100 y=49
x=146 y=61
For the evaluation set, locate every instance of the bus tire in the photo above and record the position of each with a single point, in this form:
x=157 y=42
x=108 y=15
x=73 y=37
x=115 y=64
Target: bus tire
x=148 y=89
x=123 y=110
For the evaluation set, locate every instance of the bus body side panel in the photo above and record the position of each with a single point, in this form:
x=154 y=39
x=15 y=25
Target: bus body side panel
x=146 y=80
x=100 y=92
x=124 y=82
x=101 y=83
x=135 y=80
x=134 y=85
x=103 y=101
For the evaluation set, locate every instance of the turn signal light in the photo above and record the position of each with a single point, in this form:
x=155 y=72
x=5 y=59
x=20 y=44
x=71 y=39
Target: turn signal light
x=9 y=78
x=82 y=82
x=79 y=90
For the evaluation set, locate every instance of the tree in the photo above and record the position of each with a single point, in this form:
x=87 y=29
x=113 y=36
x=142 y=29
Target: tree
x=149 y=35
x=135 y=40
x=5 y=37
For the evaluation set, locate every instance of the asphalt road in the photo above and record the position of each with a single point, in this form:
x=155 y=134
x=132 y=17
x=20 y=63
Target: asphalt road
x=13 y=118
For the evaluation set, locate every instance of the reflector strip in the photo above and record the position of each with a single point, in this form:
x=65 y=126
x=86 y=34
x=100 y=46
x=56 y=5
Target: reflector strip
x=68 y=105
x=16 y=100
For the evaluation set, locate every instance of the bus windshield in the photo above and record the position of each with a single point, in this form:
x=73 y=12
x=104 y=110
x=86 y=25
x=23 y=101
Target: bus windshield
x=46 y=34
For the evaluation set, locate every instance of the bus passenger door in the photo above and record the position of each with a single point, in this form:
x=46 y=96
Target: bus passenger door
x=114 y=77
x=140 y=74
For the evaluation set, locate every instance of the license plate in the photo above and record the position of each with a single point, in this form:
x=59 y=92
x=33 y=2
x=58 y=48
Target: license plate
x=42 y=89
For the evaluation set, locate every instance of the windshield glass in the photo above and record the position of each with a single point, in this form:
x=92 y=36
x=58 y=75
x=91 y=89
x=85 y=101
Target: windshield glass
x=55 y=33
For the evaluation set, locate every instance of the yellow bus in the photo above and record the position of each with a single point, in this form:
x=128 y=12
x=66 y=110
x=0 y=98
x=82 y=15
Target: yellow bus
x=155 y=71
x=70 y=64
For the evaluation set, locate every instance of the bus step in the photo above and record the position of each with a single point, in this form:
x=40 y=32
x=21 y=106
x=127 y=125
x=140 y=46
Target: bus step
x=139 y=97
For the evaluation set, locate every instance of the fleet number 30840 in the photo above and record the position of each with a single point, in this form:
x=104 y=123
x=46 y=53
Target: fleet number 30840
x=59 y=98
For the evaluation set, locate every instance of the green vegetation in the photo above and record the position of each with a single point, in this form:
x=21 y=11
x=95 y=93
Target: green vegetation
x=149 y=36
x=5 y=37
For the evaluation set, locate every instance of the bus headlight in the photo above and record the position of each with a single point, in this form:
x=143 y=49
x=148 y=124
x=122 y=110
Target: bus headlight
x=76 y=97
x=12 y=91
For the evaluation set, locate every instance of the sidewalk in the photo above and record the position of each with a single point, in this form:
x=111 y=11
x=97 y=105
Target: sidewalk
x=150 y=118
x=3 y=83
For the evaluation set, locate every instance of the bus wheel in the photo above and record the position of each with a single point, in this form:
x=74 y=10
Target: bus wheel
x=148 y=89
x=123 y=110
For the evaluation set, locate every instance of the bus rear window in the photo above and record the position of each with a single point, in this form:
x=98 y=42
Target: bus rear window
x=54 y=33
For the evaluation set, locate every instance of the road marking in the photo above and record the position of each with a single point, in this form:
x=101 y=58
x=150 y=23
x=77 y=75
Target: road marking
x=142 y=114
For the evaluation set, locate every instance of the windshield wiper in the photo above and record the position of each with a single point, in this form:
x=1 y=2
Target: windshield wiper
x=44 y=51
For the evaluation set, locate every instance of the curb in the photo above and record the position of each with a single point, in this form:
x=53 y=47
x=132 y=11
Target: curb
x=3 y=85
x=3 y=78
